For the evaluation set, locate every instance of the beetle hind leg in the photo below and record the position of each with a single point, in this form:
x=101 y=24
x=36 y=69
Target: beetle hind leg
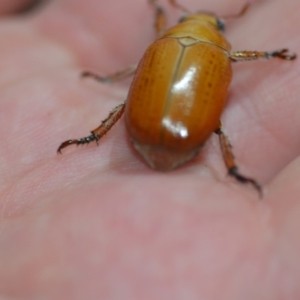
x=100 y=131
x=230 y=162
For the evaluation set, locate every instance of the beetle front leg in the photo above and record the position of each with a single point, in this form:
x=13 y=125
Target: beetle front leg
x=100 y=131
x=179 y=6
x=255 y=55
x=230 y=162
x=112 y=77
x=160 y=22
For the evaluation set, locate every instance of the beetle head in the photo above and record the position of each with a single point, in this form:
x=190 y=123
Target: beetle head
x=206 y=17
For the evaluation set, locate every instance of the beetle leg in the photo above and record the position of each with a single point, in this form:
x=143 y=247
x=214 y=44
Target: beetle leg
x=160 y=22
x=254 y=55
x=100 y=131
x=179 y=6
x=113 y=77
x=239 y=14
x=230 y=162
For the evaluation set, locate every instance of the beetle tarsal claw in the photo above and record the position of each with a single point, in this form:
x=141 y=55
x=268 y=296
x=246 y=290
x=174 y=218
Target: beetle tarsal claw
x=235 y=173
x=66 y=144
x=85 y=140
x=282 y=54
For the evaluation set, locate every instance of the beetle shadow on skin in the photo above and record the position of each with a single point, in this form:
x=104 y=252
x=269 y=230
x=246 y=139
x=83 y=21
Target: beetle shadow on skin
x=133 y=164
x=122 y=158
x=206 y=167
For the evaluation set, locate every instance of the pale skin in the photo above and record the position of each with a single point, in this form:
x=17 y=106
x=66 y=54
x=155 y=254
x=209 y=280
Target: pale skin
x=95 y=222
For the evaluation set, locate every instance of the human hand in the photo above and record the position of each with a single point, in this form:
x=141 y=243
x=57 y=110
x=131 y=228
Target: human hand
x=95 y=222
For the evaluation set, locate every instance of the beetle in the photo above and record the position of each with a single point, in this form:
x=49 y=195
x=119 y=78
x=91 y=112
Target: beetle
x=179 y=91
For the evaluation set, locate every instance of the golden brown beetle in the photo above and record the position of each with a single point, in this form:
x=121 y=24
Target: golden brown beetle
x=178 y=92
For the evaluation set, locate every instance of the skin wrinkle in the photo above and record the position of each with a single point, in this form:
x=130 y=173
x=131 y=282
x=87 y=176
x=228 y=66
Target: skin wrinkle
x=275 y=135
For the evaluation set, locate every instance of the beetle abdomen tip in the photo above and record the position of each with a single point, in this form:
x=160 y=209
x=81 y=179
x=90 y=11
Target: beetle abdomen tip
x=161 y=159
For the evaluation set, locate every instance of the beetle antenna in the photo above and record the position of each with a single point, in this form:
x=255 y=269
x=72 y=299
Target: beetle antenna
x=239 y=14
x=179 y=6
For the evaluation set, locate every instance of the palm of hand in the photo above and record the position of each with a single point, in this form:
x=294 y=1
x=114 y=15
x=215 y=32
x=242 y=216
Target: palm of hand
x=96 y=221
